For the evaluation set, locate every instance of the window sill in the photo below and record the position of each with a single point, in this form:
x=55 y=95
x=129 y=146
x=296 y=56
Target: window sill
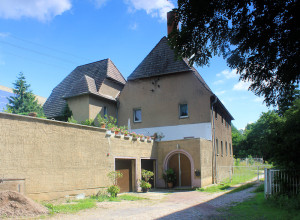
x=137 y=122
x=183 y=117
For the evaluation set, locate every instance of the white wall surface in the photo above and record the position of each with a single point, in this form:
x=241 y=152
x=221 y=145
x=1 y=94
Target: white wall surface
x=199 y=130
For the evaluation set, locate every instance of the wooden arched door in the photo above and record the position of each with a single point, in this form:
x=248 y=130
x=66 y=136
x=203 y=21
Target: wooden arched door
x=181 y=164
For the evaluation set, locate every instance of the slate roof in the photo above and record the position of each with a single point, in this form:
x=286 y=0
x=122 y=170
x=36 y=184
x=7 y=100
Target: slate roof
x=162 y=61
x=85 y=79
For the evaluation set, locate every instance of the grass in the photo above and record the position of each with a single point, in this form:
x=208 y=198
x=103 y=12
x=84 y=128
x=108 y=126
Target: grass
x=74 y=207
x=260 y=208
x=242 y=187
x=77 y=205
x=241 y=175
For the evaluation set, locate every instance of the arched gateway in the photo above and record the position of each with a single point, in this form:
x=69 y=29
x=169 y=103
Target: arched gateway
x=182 y=163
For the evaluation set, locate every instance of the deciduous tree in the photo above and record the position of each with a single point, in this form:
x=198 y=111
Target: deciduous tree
x=258 y=38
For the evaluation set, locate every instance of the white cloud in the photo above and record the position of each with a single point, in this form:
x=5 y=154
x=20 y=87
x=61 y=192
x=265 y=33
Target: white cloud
x=155 y=8
x=220 y=92
x=100 y=3
x=218 y=82
x=42 y=10
x=241 y=86
x=3 y=35
x=228 y=74
x=133 y=26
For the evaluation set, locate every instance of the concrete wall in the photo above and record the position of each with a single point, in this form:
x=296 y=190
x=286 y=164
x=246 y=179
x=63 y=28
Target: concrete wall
x=96 y=107
x=110 y=88
x=58 y=158
x=200 y=152
x=79 y=106
x=159 y=99
x=88 y=107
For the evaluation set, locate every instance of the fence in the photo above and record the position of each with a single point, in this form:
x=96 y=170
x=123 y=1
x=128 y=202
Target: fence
x=281 y=182
x=239 y=174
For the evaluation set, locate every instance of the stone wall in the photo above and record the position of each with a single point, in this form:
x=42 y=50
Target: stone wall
x=58 y=158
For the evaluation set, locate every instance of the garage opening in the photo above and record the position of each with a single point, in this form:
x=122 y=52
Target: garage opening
x=181 y=164
x=127 y=168
x=149 y=164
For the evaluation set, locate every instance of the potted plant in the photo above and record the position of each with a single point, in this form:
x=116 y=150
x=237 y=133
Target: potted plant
x=144 y=183
x=126 y=133
x=134 y=135
x=145 y=186
x=142 y=137
x=102 y=121
x=170 y=177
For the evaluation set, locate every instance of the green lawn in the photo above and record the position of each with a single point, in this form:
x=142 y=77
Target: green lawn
x=260 y=208
x=77 y=205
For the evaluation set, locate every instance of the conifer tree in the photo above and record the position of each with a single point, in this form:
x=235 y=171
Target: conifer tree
x=24 y=100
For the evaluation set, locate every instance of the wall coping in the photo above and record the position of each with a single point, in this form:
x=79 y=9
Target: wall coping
x=44 y=120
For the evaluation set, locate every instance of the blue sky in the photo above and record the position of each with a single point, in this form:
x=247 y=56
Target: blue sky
x=47 y=39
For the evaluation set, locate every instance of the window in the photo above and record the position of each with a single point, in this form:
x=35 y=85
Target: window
x=222 y=120
x=183 y=111
x=137 y=115
x=217 y=146
x=226 y=148
x=216 y=115
x=222 y=148
x=230 y=149
x=105 y=112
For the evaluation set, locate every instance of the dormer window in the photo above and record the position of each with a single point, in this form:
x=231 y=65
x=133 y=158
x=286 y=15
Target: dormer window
x=137 y=115
x=183 y=111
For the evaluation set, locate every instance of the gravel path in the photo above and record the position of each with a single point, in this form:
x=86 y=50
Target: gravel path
x=162 y=205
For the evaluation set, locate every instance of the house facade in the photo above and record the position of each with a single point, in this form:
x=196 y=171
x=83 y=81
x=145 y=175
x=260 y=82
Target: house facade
x=165 y=97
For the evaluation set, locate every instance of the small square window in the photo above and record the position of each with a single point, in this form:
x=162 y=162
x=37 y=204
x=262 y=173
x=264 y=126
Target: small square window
x=183 y=111
x=137 y=115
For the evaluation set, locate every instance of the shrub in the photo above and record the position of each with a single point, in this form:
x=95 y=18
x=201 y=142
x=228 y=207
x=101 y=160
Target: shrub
x=113 y=190
x=144 y=184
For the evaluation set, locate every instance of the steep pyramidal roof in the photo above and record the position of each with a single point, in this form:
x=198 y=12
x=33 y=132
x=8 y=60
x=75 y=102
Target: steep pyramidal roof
x=85 y=79
x=160 y=61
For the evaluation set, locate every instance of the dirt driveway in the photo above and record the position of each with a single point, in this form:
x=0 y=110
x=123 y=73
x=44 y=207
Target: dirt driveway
x=164 y=205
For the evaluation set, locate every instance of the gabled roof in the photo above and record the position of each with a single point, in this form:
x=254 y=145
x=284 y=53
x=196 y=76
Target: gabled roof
x=160 y=61
x=85 y=79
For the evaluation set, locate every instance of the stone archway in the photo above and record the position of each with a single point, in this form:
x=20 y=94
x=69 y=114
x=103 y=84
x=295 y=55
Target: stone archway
x=182 y=163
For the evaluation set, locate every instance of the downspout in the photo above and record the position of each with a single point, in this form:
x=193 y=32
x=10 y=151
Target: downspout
x=117 y=111
x=214 y=141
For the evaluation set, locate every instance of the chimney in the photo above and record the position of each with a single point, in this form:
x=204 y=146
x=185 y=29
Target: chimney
x=171 y=15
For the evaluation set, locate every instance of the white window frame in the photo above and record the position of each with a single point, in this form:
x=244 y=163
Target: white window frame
x=134 y=112
x=187 y=108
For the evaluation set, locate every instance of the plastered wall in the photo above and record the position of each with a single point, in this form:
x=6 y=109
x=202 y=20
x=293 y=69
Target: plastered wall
x=199 y=149
x=58 y=159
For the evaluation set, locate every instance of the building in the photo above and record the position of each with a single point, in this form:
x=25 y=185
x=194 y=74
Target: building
x=163 y=96
x=88 y=90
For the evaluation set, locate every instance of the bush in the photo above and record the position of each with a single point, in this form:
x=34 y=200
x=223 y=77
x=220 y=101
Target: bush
x=144 y=184
x=113 y=190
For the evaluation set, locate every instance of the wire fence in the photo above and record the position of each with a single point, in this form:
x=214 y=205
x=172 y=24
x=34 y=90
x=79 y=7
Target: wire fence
x=241 y=174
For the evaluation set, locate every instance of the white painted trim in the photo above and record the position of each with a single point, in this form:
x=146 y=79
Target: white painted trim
x=177 y=132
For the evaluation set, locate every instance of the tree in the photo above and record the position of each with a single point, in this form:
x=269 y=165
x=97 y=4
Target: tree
x=258 y=38
x=24 y=100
